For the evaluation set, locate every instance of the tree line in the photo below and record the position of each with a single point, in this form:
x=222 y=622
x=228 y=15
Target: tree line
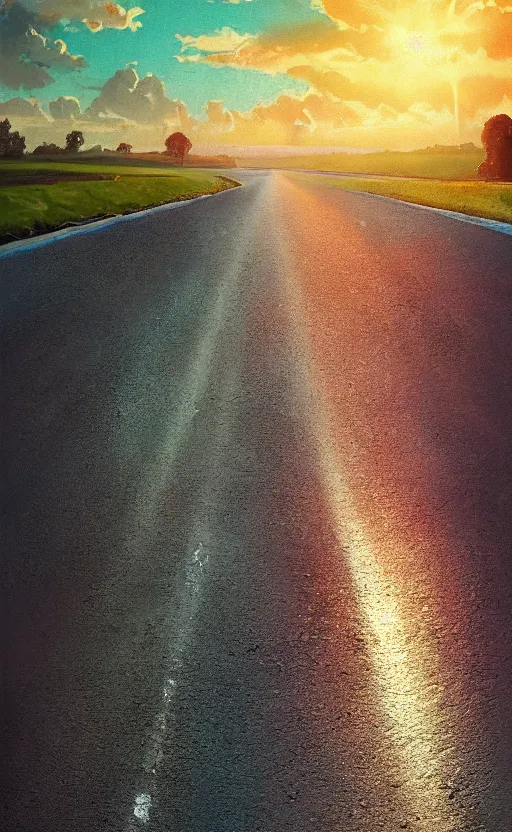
x=496 y=139
x=13 y=146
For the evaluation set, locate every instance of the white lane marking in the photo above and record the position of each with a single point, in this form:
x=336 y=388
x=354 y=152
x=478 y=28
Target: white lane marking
x=89 y=228
x=193 y=390
x=188 y=606
x=189 y=598
x=198 y=561
x=142 y=807
x=200 y=557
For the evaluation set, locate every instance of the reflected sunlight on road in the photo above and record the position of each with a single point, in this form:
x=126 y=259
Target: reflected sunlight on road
x=404 y=664
x=417 y=716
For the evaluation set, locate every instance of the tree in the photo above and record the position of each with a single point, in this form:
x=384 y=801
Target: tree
x=497 y=142
x=11 y=143
x=45 y=149
x=178 y=146
x=124 y=148
x=74 y=141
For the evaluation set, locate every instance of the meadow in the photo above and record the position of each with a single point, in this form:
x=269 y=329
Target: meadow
x=432 y=165
x=38 y=196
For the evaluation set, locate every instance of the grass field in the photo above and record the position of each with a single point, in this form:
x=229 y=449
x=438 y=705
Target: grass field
x=492 y=200
x=26 y=209
x=416 y=164
x=113 y=168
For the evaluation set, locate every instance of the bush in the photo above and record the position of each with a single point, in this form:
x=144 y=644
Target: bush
x=45 y=149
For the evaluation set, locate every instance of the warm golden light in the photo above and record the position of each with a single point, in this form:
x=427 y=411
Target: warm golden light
x=407 y=674
x=416 y=48
x=405 y=663
x=427 y=45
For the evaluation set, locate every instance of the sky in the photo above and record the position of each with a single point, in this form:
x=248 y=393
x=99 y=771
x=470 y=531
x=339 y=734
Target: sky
x=328 y=73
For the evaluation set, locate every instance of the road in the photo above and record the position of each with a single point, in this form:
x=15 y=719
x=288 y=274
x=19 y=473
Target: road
x=257 y=520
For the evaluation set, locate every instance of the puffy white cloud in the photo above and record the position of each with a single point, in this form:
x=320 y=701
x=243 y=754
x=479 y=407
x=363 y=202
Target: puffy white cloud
x=222 y=40
x=46 y=53
x=65 y=107
x=29 y=55
x=143 y=100
x=305 y=120
x=21 y=107
x=219 y=120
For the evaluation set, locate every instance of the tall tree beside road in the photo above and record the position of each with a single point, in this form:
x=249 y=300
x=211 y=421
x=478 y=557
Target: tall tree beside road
x=178 y=145
x=497 y=142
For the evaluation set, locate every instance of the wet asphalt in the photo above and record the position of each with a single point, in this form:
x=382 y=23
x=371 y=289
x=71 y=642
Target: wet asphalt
x=257 y=520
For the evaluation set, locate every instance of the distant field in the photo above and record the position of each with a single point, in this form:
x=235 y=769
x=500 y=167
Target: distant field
x=112 y=167
x=416 y=164
x=492 y=200
x=31 y=208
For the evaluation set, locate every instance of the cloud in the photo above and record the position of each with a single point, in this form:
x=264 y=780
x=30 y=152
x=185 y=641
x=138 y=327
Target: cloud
x=66 y=108
x=219 y=120
x=222 y=40
x=143 y=100
x=472 y=100
x=21 y=107
x=381 y=64
x=271 y=52
x=311 y=119
x=95 y=14
x=45 y=53
x=354 y=13
x=491 y=30
x=29 y=56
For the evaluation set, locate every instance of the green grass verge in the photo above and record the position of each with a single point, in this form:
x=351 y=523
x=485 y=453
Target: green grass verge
x=29 y=209
x=430 y=165
x=10 y=166
x=492 y=200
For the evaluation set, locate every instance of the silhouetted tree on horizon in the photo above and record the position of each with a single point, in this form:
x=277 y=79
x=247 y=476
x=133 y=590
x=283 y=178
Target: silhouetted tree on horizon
x=11 y=143
x=45 y=149
x=178 y=145
x=74 y=141
x=124 y=148
x=497 y=142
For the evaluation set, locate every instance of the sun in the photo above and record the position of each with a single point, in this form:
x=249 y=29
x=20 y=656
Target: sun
x=417 y=48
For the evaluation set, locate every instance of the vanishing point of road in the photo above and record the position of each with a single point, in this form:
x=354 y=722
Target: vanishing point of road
x=258 y=520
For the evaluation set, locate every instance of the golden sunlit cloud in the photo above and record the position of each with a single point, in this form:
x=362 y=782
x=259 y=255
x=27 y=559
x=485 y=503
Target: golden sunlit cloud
x=434 y=63
x=222 y=40
x=362 y=74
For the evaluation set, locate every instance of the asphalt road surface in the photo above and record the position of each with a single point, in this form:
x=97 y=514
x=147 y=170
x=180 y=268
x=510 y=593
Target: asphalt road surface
x=257 y=520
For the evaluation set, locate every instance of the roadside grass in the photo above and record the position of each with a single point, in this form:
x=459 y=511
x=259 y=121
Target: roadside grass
x=22 y=166
x=30 y=209
x=388 y=163
x=492 y=200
